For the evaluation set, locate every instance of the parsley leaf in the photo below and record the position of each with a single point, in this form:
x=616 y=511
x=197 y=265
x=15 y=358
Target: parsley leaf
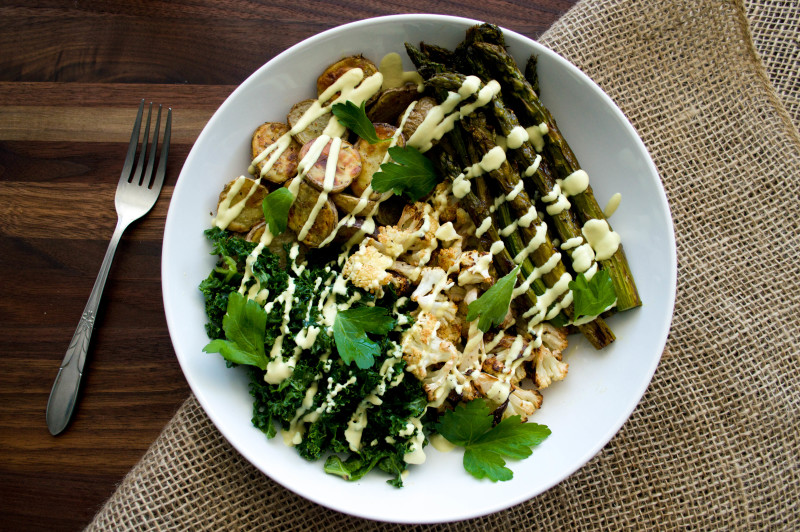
x=592 y=297
x=493 y=304
x=470 y=426
x=349 y=333
x=355 y=119
x=244 y=324
x=411 y=174
x=276 y=210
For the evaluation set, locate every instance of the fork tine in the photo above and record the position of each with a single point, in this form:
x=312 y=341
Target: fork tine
x=128 y=165
x=136 y=179
x=158 y=180
x=148 y=173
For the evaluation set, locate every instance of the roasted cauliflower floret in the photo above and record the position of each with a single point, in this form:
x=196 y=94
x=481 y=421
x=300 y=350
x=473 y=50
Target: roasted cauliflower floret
x=448 y=258
x=522 y=403
x=475 y=268
x=393 y=242
x=547 y=367
x=474 y=349
x=445 y=204
x=507 y=357
x=432 y=301
x=490 y=387
x=423 y=347
x=555 y=339
x=514 y=400
x=366 y=268
x=438 y=383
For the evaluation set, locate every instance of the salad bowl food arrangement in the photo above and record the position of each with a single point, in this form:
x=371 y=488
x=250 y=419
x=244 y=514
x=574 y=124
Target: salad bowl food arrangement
x=390 y=258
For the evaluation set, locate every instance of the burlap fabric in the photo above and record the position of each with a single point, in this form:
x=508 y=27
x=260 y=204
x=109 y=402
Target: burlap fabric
x=715 y=442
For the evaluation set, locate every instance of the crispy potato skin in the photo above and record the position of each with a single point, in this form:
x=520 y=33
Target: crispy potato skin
x=417 y=115
x=286 y=165
x=335 y=71
x=348 y=166
x=346 y=232
x=392 y=103
x=314 y=129
x=301 y=210
x=252 y=213
x=348 y=202
x=390 y=210
x=371 y=157
x=277 y=243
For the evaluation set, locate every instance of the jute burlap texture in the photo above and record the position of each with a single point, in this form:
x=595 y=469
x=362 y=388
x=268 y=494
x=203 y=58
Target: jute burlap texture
x=715 y=442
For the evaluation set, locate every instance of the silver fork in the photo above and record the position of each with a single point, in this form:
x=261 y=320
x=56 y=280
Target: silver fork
x=137 y=192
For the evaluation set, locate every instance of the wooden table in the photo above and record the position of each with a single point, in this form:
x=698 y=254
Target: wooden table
x=71 y=76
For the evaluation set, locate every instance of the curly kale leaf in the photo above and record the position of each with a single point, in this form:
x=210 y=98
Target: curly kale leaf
x=275 y=404
x=215 y=293
x=358 y=465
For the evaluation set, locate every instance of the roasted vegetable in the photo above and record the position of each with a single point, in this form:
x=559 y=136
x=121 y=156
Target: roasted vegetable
x=285 y=167
x=314 y=129
x=335 y=71
x=251 y=213
x=372 y=155
x=348 y=166
x=348 y=203
x=586 y=207
x=391 y=103
x=301 y=212
x=417 y=115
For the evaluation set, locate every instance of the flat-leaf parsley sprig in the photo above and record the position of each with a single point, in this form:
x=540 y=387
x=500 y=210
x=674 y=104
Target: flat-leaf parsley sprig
x=355 y=119
x=493 y=304
x=410 y=173
x=593 y=297
x=244 y=324
x=276 y=207
x=485 y=446
x=350 y=328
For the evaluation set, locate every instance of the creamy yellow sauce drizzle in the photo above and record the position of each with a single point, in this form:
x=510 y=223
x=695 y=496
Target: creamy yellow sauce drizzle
x=600 y=241
x=441 y=118
x=611 y=206
x=603 y=240
x=391 y=66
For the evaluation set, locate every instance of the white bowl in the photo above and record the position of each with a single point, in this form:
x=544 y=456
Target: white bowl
x=584 y=411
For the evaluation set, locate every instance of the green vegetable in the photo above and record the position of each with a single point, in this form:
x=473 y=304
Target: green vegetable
x=244 y=325
x=355 y=119
x=349 y=333
x=353 y=469
x=470 y=426
x=276 y=210
x=594 y=296
x=493 y=305
x=411 y=174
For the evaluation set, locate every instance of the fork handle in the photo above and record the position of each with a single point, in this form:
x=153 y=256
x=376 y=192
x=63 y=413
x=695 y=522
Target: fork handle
x=64 y=395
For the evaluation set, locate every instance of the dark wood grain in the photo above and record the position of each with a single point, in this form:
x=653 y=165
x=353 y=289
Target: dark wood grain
x=71 y=74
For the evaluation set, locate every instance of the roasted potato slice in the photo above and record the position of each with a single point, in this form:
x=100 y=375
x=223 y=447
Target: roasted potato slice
x=251 y=214
x=417 y=115
x=346 y=232
x=325 y=221
x=314 y=129
x=372 y=156
x=348 y=203
x=348 y=166
x=286 y=165
x=335 y=71
x=392 y=103
x=278 y=242
x=390 y=210
x=254 y=235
